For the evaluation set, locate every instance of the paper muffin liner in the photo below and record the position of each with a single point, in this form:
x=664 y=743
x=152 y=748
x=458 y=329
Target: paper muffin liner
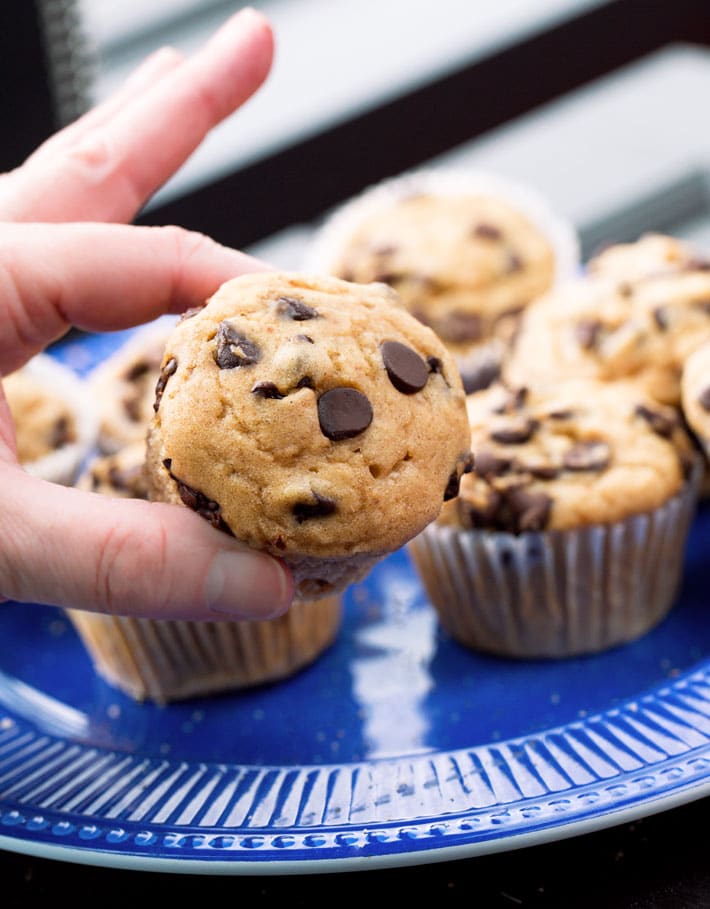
x=479 y=364
x=165 y=661
x=64 y=464
x=554 y=594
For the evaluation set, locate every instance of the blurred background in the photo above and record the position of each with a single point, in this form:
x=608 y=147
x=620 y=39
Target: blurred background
x=598 y=104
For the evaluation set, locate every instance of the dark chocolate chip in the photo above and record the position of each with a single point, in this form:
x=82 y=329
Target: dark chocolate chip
x=132 y=408
x=660 y=423
x=165 y=373
x=541 y=471
x=461 y=326
x=295 y=309
x=486 y=231
x=322 y=507
x=266 y=389
x=587 y=332
x=463 y=465
x=137 y=369
x=704 y=398
x=193 y=499
x=481 y=515
x=435 y=365
x=479 y=376
x=305 y=382
x=61 y=433
x=407 y=371
x=234 y=349
x=489 y=464
x=560 y=414
x=587 y=455
x=528 y=510
x=515 y=433
x=307 y=338
x=660 y=317
x=343 y=413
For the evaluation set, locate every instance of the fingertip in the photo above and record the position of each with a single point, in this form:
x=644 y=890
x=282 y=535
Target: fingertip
x=245 y=584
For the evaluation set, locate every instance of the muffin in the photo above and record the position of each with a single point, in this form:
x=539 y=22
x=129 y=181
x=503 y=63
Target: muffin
x=568 y=538
x=165 y=661
x=311 y=418
x=466 y=252
x=124 y=386
x=695 y=396
x=55 y=419
x=637 y=313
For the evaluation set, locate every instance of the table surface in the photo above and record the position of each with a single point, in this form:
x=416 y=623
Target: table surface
x=658 y=862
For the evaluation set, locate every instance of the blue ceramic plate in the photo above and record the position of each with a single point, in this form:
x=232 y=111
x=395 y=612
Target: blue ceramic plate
x=397 y=747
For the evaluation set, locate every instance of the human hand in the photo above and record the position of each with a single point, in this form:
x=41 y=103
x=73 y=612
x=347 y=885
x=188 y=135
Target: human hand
x=76 y=549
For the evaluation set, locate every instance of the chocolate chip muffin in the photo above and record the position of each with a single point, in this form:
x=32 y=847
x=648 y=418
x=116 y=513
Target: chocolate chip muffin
x=54 y=416
x=311 y=418
x=124 y=386
x=466 y=252
x=637 y=312
x=166 y=661
x=568 y=537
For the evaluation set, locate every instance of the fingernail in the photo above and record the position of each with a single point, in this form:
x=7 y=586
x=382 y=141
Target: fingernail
x=247 y=585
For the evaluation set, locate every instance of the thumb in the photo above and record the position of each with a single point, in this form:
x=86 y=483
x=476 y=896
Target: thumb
x=76 y=549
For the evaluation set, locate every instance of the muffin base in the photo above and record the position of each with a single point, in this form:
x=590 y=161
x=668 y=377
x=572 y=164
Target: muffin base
x=559 y=593
x=164 y=661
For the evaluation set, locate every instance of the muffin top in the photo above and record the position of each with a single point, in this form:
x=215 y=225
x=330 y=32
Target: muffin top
x=120 y=474
x=637 y=313
x=464 y=253
x=45 y=421
x=695 y=393
x=568 y=454
x=308 y=416
x=124 y=386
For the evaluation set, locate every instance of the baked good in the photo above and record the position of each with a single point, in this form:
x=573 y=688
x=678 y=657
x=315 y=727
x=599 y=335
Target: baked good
x=695 y=395
x=637 y=312
x=165 y=661
x=568 y=537
x=311 y=418
x=466 y=251
x=54 y=416
x=120 y=474
x=124 y=386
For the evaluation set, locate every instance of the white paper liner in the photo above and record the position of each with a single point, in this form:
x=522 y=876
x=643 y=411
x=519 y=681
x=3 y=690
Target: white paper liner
x=165 y=661
x=555 y=594
x=330 y=238
x=63 y=464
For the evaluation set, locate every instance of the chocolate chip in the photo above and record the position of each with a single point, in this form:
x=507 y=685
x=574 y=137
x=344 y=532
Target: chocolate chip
x=165 y=373
x=513 y=262
x=587 y=332
x=266 y=389
x=295 y=309
x=527 y=510
x=515 y=433
x=320 y=508
x=461 y=326
x=61 y=433
x=660 y=423
x=660 y=317
x=307 y=338
x=560 y=414
x=487 y=231
x=481 y=515
x=463 y=465
x=305 y=382
x=479 y=376
x=489 y=464
x=704 y=398
x=541 y=471
x=435 y=365
x=132 y=408
x=343 y=413
x=137 y=369
x=206 y=508
x=234 y=349
x=587 y=455
x=407 y=371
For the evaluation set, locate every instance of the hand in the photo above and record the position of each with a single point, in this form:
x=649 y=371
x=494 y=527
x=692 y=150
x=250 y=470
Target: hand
x=76 y=549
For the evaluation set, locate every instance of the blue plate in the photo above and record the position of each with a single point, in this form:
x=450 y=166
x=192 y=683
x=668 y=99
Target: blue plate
x=396 y=747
